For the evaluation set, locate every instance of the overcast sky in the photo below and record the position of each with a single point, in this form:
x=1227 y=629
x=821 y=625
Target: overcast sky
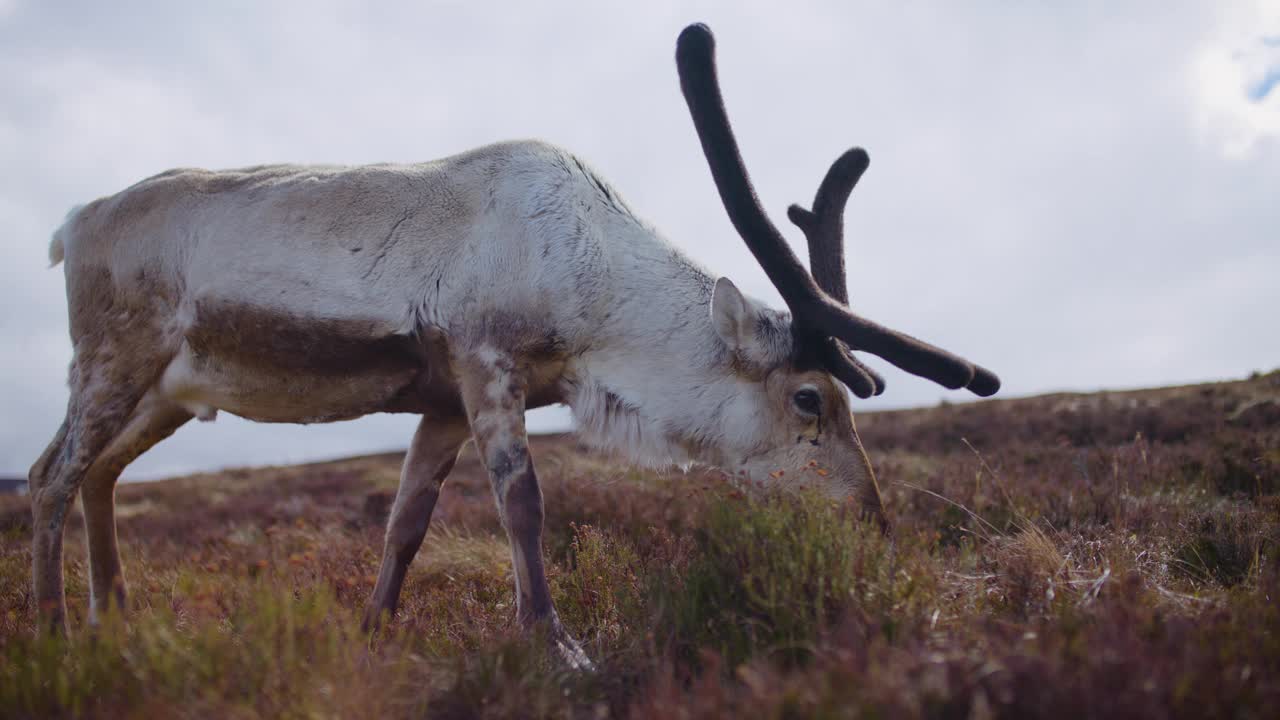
x=1079 y=195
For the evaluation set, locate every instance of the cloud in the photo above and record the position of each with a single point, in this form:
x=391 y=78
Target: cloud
x=1263 y=87
x=1076 y=200
x=1234 y=72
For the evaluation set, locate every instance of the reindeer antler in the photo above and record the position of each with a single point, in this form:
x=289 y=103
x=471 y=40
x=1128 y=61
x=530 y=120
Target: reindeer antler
x=824 y=225
x=824 y=229
x=815 y=313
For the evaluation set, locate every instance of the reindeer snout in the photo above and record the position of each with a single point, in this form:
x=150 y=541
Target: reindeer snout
x=873 y=509
x=867 y=494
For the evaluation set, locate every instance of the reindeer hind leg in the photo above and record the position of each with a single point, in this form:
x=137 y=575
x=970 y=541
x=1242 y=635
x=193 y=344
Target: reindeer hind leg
x=154 y=419
x=90 y=425
x=108 y=380
x=430 y=458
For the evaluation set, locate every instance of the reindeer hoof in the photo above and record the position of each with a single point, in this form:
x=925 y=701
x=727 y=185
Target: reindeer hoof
x=375 y=620
x=568 y=651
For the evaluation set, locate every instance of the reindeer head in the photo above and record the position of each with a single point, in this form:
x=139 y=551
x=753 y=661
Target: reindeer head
x=802 y=426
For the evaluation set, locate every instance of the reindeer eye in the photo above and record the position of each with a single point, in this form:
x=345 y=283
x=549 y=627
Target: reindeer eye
x=808 y=401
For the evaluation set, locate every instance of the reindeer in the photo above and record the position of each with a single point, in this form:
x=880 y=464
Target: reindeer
x=466 y=291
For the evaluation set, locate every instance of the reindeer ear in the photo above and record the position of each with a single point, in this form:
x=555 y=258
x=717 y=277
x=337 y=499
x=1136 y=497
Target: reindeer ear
x=731 y=314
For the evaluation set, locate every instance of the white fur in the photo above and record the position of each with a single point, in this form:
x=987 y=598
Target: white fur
x=522 y=232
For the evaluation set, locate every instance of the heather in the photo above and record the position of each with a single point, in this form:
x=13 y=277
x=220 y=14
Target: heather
x=1076 y=555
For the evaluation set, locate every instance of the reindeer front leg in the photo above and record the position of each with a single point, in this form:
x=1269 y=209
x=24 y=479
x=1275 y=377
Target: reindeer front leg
x=493 y=391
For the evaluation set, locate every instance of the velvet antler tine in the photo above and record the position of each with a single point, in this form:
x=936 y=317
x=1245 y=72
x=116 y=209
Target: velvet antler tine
x=862 y=380
x=823 y=226
x=876 y=378
x=984 y=382
x=695 y=60
x=845 y=369
x=907 y=353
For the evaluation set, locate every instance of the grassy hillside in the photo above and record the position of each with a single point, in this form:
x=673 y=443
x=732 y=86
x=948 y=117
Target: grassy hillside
x=1102 y=555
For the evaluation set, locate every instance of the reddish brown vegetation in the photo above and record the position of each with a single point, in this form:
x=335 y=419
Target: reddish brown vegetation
x=1102 y=555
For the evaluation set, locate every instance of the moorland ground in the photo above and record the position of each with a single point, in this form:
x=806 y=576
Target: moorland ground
x=1100 y=555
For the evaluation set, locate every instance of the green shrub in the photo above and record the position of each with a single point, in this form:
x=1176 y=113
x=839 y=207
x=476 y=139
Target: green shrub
x=770 y=573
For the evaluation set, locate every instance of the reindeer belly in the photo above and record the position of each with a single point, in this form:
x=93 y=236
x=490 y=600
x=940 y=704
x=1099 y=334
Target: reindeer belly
x=277 y=367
